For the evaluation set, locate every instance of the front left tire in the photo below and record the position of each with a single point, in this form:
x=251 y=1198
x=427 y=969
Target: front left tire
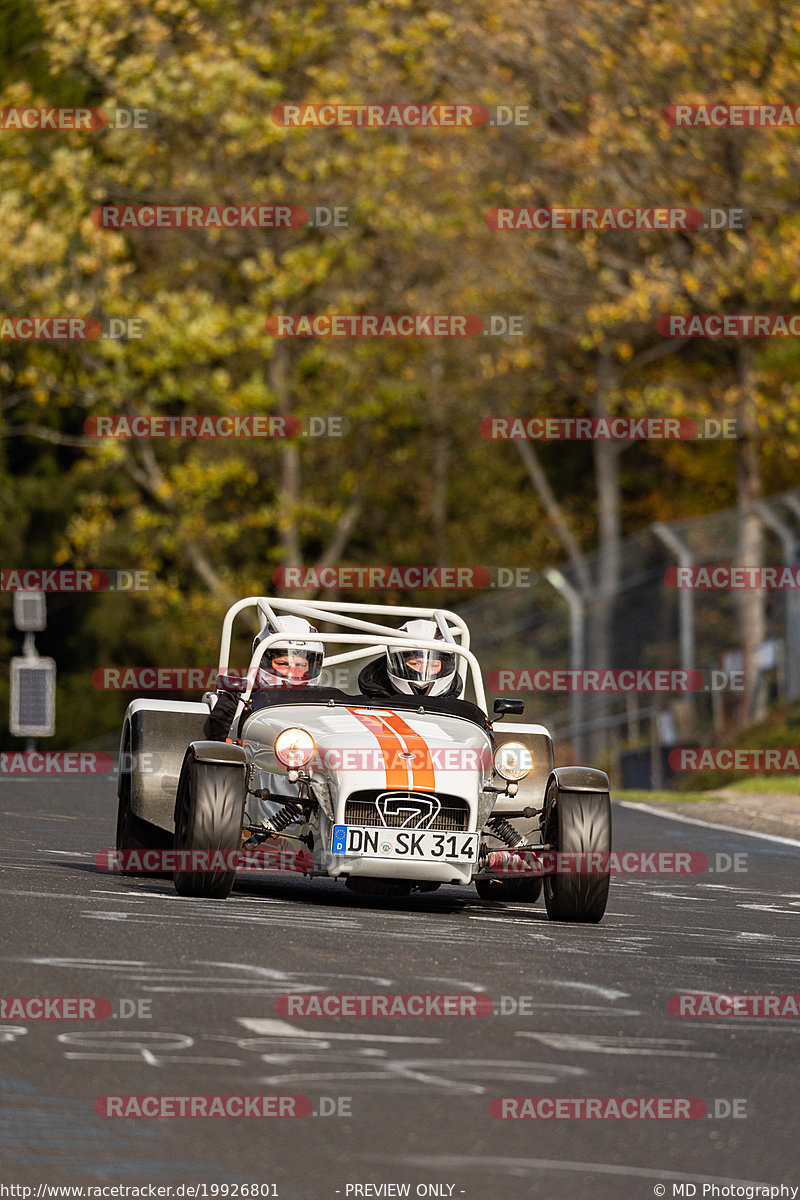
x=209 y=815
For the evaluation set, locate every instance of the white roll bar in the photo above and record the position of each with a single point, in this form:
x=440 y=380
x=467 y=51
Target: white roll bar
x=374 y=635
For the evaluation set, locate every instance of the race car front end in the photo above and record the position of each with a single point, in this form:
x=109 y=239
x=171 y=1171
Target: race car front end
x=401 y=793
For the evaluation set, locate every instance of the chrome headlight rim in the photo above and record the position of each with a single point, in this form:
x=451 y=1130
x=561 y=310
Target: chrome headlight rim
x=294 y=747
x=508 y=771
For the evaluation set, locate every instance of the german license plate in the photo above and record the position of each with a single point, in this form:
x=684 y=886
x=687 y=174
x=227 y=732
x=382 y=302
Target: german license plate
x=427 y=844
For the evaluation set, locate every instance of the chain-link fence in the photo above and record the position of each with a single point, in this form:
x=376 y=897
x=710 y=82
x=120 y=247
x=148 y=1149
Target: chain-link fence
x=542 y=643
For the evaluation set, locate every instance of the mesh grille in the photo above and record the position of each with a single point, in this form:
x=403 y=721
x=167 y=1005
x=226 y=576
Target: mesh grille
x=360 y=810
x=33 y=689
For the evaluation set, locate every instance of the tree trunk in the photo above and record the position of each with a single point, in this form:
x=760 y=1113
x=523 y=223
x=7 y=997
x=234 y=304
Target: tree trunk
x=609 y=528
x=751 y=602
x=440 y=443
x=289 y=485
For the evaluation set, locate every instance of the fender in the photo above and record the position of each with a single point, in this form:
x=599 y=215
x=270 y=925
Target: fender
x=227 y=753
x=579 y=779
x=163 y=728
x=224 y=754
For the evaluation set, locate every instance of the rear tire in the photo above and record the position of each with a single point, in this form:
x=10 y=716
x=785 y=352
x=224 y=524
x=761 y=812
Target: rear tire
x=209 y=815
x=577 y=822
x=522 y=891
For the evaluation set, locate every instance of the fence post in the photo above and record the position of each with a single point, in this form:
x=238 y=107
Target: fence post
x=656 y=766
x=792 y=611
x=685 y=558
x=577 y=650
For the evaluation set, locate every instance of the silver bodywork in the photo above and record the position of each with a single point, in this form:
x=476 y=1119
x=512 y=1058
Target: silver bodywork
x=376 y=766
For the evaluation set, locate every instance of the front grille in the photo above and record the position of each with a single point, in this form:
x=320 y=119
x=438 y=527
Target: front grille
x=360 y=809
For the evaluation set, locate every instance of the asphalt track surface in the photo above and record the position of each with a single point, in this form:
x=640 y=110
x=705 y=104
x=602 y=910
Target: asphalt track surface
x=418 y=1090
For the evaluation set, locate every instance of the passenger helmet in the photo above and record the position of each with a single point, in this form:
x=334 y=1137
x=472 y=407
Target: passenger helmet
x=295 y=662
x=416 y=672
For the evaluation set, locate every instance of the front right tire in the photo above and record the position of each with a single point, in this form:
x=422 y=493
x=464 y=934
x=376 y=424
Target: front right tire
x=577 y=822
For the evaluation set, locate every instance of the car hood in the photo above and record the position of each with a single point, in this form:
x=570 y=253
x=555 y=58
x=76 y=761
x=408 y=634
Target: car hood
x=365 y=748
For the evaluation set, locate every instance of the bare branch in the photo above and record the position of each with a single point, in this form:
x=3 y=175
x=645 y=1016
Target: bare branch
x=150 y=478
x=555 y=512
x=51 y=435
x=341 y=534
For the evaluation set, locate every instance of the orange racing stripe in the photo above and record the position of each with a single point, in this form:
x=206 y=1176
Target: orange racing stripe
x=398 y=774
x=424 y=777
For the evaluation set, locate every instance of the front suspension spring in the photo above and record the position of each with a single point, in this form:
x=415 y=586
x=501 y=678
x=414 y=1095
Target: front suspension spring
x=285 y=816
x=505 y=831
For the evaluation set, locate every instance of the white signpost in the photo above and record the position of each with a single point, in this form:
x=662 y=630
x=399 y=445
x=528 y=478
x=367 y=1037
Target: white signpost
x=33 y=679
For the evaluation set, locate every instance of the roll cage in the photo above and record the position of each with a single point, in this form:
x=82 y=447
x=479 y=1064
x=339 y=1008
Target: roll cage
x=363 y=635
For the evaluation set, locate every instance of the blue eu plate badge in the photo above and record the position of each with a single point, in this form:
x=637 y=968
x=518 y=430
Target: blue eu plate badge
x=339 y=839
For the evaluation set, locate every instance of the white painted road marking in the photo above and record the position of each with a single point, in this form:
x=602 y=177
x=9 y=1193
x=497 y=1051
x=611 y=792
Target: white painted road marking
x=657 y=812
x=273 y=1027
x=614 y=1045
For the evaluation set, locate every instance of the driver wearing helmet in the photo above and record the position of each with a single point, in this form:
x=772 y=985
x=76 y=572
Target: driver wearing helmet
x=413 y=671
x=294 y=663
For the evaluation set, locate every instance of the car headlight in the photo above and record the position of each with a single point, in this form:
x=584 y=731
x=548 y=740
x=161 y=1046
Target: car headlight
x=513 y=760
x=294 y=748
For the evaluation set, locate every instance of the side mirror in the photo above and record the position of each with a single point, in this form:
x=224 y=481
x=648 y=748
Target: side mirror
x=501 y=707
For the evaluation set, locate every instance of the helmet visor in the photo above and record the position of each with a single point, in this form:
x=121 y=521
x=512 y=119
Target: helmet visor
x=296 y=664
x=420 y=666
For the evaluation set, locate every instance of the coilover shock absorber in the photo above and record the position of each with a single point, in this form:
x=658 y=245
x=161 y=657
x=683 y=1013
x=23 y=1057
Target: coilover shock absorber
x=285 y=816
x=505 y=831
